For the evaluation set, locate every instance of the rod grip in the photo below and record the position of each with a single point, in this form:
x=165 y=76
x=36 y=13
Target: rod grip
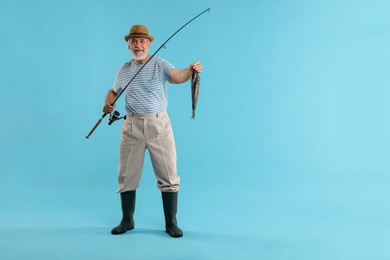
x=94 y=127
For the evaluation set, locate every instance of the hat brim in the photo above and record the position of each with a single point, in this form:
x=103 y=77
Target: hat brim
x=149 y=37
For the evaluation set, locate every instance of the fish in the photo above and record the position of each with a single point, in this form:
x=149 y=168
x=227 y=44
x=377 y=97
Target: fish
x=195 y=81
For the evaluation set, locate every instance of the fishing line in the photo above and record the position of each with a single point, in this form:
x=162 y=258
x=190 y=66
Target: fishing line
x=162 y=46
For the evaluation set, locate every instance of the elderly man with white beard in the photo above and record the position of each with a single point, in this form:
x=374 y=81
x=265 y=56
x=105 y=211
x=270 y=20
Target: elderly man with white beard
x=147 y=126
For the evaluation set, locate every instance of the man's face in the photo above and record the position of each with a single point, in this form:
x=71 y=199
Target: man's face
x=139 y=47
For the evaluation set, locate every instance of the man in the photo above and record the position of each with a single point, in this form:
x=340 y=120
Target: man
x=147 y=126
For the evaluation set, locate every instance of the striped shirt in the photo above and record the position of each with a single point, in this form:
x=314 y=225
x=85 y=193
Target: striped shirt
x=147 y=93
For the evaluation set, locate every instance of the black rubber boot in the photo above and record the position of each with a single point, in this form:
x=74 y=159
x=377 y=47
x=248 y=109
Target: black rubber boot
x=128 y=206
x=170 y=210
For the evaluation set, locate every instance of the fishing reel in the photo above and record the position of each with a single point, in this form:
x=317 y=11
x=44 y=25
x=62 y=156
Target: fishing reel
x=114 y=117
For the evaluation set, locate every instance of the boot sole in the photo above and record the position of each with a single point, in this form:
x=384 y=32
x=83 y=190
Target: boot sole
x=174 y=234
x=120 y=233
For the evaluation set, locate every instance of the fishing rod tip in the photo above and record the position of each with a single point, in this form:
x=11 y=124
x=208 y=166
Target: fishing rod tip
x=209 y=9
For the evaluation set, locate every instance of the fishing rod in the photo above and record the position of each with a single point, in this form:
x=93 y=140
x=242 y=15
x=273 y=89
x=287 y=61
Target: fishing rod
x=123 y=90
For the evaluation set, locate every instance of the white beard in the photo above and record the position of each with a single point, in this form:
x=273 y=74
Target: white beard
x=140 y=57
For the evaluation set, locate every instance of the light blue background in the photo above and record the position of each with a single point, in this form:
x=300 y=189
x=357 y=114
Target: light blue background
x=288 y=157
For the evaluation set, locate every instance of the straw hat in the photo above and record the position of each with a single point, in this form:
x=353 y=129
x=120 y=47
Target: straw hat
x=139 y=31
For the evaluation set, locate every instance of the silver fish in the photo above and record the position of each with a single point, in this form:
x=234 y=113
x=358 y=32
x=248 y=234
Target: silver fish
x=195 y=79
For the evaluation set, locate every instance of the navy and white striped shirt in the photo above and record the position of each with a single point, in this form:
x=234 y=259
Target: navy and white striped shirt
x=147 y=93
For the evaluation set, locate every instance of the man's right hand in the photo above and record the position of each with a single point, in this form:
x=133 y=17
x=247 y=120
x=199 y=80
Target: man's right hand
x=108 y=108
x=111 y=95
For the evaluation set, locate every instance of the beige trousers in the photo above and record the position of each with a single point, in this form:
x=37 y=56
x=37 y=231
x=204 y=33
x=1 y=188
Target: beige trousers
x=152 y=132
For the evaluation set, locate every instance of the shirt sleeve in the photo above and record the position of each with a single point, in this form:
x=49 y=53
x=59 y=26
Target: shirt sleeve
x=118 y=84
x=167 y=67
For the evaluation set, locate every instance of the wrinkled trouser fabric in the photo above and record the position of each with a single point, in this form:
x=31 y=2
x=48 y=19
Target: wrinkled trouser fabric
x=152 y=132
